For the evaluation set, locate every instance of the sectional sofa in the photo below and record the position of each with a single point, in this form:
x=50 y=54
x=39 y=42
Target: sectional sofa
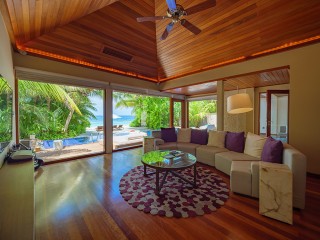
x=242 y=165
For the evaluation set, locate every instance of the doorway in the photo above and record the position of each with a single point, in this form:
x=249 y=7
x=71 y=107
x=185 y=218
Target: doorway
x=274 y=114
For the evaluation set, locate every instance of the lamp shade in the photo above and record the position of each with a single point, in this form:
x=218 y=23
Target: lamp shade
x=239 y=103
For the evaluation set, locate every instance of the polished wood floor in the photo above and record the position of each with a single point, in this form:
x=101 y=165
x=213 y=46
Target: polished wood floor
x=80 y=200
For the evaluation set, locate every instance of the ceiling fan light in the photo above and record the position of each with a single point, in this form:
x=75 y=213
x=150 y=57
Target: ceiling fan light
x=239 y=103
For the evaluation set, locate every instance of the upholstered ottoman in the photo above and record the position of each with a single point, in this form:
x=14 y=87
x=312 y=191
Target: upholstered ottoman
x=240 y=177
x=223 y=160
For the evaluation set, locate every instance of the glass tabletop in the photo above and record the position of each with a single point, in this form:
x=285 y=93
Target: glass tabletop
x=168 y=159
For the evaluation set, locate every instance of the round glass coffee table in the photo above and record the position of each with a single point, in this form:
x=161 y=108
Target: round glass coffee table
x=169 y=161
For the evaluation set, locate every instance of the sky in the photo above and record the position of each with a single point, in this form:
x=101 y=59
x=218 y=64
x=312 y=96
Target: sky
x=98 y=104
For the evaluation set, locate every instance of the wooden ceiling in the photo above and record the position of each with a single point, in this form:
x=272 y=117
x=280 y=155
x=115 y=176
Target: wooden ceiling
x=253 y=80
x=232 y=30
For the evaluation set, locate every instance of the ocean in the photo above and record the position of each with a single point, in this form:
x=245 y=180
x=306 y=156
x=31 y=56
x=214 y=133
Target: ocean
x=123 y=120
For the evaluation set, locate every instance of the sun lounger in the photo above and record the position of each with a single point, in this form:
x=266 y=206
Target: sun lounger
x=99 y=128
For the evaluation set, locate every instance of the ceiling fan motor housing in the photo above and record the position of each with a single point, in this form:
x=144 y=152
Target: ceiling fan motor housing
x=176 y=14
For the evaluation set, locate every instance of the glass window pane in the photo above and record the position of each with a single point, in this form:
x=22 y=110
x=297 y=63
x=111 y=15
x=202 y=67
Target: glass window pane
x=135 y=115
x=177 y=114
x=279 y=117
x=263 y=114
x=59 y=121
x=203 y=114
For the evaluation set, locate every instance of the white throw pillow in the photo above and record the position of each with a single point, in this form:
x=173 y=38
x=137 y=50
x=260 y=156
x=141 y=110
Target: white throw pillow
x=216 y=138
x=254 y=145
x=184 y=135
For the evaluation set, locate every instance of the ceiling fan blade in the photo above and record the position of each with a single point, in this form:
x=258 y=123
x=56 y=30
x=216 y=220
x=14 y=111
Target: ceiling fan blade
x=201 y=6
x=171 y=4
x=192 y=28
x=152 y=19
x=166 y=31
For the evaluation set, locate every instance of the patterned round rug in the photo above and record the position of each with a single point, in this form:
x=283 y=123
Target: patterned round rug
x=177 y=198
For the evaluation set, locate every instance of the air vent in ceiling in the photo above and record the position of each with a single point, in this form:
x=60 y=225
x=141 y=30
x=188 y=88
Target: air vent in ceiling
x=117 y=54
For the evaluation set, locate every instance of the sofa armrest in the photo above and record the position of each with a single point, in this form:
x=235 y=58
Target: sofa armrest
x=255 y=165
x=158 y=141
x=156 y=134
x=297 y=162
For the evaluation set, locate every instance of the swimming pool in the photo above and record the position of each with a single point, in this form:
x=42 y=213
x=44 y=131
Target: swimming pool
x=89 y=139
x=69 y=141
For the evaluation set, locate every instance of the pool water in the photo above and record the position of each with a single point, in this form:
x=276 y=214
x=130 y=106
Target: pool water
x=70 y=141
x=86 y=139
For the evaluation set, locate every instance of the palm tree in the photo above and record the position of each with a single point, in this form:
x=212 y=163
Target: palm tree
x=47 y=91
x=156 y=108
x=48 y=109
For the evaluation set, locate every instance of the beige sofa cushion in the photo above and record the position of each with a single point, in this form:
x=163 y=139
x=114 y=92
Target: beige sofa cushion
x=188 y=147
x=254 y=145
x=184 y=135
x=167 y=146
x=206 y=154
x=224 y=160
x=216 y=139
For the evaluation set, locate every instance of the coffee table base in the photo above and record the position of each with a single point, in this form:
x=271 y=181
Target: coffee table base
x=160 y=185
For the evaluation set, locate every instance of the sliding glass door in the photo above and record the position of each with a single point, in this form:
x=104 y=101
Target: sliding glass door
x=59 y=121
x=135 y=116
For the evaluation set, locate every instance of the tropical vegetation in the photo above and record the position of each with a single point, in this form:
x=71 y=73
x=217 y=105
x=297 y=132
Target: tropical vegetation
x=52 y=111
x=199 y=110
x=5 y=111
x=153 y=112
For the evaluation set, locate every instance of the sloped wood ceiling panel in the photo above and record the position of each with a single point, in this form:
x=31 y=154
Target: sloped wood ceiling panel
x=231 y=31
x=234 y=29
x=114 y=27
x=33 y=18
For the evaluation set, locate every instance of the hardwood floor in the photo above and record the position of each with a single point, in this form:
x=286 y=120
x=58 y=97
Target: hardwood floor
x=80 y=200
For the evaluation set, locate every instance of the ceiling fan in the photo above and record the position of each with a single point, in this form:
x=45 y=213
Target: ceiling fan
x=176 y=13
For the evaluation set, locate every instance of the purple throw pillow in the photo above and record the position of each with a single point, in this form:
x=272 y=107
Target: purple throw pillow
x=272 y=151
x=199 y=136
x=235 y=141
x=169 y=134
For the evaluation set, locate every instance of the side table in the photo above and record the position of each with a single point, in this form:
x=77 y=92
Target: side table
x=148 y=144
x=275 y=191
